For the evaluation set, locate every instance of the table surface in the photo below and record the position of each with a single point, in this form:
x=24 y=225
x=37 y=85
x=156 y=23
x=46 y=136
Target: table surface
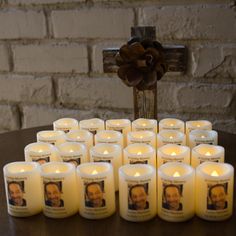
x=12 y=149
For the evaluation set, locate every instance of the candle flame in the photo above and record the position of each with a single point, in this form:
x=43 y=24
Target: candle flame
x=71 y=150
x=171 y=124
x=108 y=137
x=171 y=137
x=136 y=174
x=141 y=136
x=203 y=136
x=198 y=125
x=94 y=172
x=57 y=171
x=207 y=153
x=139 y=153
x=144 y=124
x=173 y=154
x=22 y=170
x=176 y=174
x=214 y=173
x=78 y=136
x=105 y=152
x=40 y=150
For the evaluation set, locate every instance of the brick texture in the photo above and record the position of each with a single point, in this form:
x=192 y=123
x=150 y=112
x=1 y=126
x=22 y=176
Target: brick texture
x=42 y=1
x=53 y=58
x=93 y=23
x=19 y=88
x=191 y=22
x=4 y=65
x=22 y=24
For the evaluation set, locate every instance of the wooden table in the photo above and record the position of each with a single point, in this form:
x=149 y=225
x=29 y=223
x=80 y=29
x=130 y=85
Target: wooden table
x=12 y=149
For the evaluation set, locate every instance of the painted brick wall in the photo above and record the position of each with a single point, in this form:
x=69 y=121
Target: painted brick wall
x=51 y=61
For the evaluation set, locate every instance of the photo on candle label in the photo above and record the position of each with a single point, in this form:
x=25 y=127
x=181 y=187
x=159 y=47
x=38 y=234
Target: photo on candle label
x=74 y=161
x=211 y=160
x=16 y=191
x=94 y=194
x=166 y=161
x=204 y=142
x=41 y=160
x=217 y=196
x=171 y=197
x=138 y=197
x=138 y=162
x=52 y=194
x=101 y=160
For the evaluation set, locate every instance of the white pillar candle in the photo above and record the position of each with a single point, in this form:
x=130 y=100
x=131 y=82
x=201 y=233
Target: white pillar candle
x=137 y=192
x=110 y=153
x=147 y=137
x=60 y=189
x=197 y=137
x=214 y=191
x=109 y=136
x=73 y=152
x=142 y=124
x=171 y=124
x=197 y=124
x=206 y=152
x=173 y=153
x=121 y=125
x=66 y=124
x=170 y=136
x=97 y=191
x=139 y=154
x=51 y=136
x=23 y=188
x=41 y=152
x=92 y=125
x=176 y=192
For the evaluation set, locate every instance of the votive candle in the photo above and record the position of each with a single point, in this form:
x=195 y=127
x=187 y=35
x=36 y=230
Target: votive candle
x=172 y=124
x=55 y=137
x=147 y=137
x=66 y=124
x=142 y=124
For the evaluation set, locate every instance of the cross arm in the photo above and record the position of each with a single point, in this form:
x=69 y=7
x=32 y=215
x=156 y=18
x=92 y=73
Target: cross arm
x=175 y=56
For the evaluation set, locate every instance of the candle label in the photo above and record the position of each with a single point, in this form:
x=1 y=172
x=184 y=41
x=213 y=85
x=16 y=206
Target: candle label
x=144 y=129
x=108 y=141
x=53 y=142
x=137 y=160
x=217 y=198
x=171 y=128
x=66 y=130
x=140 y=141
x=53 y=196
x=212 y=159
x=172 y=198
x=168 y=159
x=40 y=158
x=95 y=196
x=138 y=198
x=75 y=160
x=119 y=129
x=16 y=194
x=203 y=141
x=178 y=142
x=102 y=159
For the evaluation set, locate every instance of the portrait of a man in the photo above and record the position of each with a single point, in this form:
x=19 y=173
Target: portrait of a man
x=94 y=194
x=217 y=197
x=15 y=193
x=171 y=199
x=52 y=191
x=138 y=197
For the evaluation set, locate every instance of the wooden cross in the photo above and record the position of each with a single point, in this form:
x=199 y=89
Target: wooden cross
x=145 y=102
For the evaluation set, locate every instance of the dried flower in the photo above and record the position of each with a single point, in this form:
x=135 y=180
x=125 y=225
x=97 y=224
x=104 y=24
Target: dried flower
x=141 y=63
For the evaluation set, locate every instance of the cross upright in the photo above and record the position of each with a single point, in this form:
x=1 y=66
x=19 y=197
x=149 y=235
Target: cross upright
x=145 y=101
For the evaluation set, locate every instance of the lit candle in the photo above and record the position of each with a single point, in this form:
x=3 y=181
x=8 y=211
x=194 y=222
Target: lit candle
x=176 y=192
x=51 y=136
x=197 y=137
x=41 y=153
x=92 y=125
x=73 y=152
x=195 y=125
x=23 y=188
x=147 y=137
x=206 y=152
x=109 y=136
x=97 y=192
x=214 y=191
x=170 y=137
x=142 y=124
x=173 y=153
x=121 y=125
x=137 y=192
x=172 y=124
x=139 y=154
x=66 y=124
x=110 y=153
x=60 y=189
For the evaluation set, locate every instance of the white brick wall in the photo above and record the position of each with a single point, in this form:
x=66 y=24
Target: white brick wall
x=93 y=23
x=4 y=65
x=15 y=24
x=51 y=58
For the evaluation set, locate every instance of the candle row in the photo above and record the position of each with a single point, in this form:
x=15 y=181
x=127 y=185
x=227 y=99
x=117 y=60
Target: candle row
x=175 y=194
